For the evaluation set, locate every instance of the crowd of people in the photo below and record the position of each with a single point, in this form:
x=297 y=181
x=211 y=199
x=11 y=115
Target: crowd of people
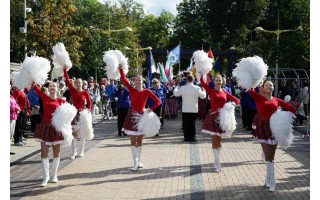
x=130 y=97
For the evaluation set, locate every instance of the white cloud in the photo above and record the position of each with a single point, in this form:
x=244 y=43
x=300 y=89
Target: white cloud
x=156 y=6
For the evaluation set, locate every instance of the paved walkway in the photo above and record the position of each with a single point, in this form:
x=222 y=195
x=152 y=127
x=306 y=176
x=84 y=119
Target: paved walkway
x=172 y=169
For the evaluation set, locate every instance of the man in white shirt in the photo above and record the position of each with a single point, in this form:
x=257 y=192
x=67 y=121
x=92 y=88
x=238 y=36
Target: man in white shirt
x=190 y=94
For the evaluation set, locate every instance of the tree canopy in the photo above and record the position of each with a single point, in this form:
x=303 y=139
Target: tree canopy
x=83 y=26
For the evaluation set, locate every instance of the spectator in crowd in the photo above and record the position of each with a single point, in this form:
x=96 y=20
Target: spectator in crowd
x=35 y=107
x=85 y=85
x=304 y=96
x=61 y=89
x=67 y=93
x=95 y=98
x=300 y=114
x=224 y=85
x=292 y=90
x=123 y=105
x=90 y=80
x=14 y=111
x=283 y=89
x=163 y=100
x=23 y=102
x=171 y=108
x=158 y=91
x=109 y=91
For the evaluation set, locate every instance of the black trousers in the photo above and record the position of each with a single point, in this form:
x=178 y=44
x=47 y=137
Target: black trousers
x=250 y=115
x=20 y=126
x=35 y=120
x=162 y=114
x=159 y=113
x=306 y=109
x=189 y=125
x=114 y=108
x=244 y=116
x=122 y=114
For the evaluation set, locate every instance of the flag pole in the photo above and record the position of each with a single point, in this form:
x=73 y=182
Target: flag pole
x=180 y=56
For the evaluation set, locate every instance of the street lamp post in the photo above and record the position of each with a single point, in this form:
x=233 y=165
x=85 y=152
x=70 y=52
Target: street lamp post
x=108 y=32
x=277 y=33
x=24 y=29
x=137 y=53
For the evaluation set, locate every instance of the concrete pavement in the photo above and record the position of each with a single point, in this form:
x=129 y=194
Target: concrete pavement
x=172 y=169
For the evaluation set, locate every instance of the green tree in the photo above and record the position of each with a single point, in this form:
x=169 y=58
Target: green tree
x=17 y=39
x=154 y=31
x=96 y=19
x=230 y=21
x=190 y=26
x=53 y=24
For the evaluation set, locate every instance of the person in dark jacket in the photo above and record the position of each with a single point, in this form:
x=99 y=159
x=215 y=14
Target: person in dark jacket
x=158 y=91
x=123 y=105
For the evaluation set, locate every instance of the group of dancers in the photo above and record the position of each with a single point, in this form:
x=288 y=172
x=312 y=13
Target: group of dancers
x=49 y=135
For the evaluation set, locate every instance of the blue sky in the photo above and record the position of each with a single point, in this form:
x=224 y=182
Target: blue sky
x=156 y=6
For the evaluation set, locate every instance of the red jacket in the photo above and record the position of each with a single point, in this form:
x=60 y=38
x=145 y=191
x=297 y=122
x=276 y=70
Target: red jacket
x=22 y=101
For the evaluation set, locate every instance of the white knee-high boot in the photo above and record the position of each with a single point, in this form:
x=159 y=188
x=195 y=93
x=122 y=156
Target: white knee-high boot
x=74 y=145
x=215 y=165
x=216 y=153
x=81 y=150
x=272 y=178
x=54 y=176
x=263 y=157
x=45 y=167
x=140 y=165
x=135 y=158
x=267 y=179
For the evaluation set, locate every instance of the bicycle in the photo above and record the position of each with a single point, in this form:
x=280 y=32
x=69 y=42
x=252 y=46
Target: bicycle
x=106 y=107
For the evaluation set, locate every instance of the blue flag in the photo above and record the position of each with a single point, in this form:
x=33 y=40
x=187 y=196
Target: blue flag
x=216 y=66
x=152 y=68
x=174 y=55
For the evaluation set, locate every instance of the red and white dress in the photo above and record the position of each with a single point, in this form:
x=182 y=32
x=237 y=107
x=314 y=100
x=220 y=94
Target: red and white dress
x=138 y=101
x=265 y=109
x=217 y=101
x=46 y=132
x=78 y=99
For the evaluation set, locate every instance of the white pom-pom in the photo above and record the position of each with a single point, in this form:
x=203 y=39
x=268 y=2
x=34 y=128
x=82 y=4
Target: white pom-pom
x=34 y=69
x=85 y=126
x=149 y=124
x=60 y=59
x=112 y=68
x=250 y=72
x=123 y=61
x=61 y=121
x=227 y=119
x=281 y=127
x=202 y=62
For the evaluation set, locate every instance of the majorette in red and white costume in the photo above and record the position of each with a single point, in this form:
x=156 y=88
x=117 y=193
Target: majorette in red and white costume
x=139 y=121
x=138 y=102
x=46 y=132
x=219 y=109
x=137 y=112
x=54 y=130
x=272 y=125
x=265 y=109
x=218 y=99
x=81 y=124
